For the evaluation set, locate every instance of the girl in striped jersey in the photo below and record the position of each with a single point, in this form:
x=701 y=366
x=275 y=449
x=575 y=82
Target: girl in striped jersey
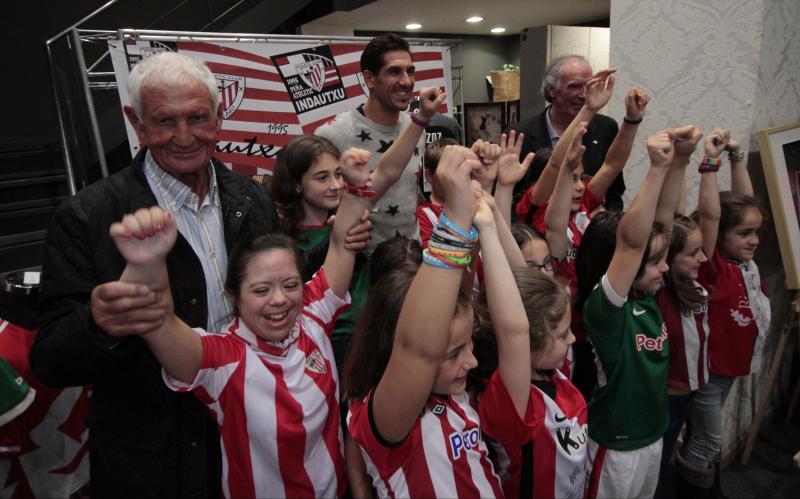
x=270 y=379
x=419 y=432
x=682 y=300
x=542 y=452
x=541 y=449
x=738 y=309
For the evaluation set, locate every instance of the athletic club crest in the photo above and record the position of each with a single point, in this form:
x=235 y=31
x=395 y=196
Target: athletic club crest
x=311 y=77
x=316 y=363
x=231 y=92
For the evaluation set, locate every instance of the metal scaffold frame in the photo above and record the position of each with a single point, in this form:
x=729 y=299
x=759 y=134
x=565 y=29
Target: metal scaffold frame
x=91 y=80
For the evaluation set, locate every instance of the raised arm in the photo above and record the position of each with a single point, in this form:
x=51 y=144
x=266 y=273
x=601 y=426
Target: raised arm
x=394 y=161
x=144 y=238
x=634 y=228
x=686 y=139
x=509 y=171
x=708 y=206
x=617 y=156
x=556 y=217
x=356 y=198
x=598 y=92
x=510 y=247
x=423 y=327
x=509 y=321
x=740 y=178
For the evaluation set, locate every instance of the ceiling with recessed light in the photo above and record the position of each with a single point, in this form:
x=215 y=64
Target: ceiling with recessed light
x=448 y=16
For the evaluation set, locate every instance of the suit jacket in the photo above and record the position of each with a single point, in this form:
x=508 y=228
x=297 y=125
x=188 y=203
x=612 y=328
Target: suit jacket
x=599 y=136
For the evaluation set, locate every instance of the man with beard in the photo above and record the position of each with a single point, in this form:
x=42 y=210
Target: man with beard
x=564 y=88
x=388 y=72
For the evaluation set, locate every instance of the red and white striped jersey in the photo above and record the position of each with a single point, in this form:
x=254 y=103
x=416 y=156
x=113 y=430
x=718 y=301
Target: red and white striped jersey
x=427 y=218
x=544 y=455
x=578 y=222
x=277 y=407
x=443 y=455
x=738 y=315
x=688 y=341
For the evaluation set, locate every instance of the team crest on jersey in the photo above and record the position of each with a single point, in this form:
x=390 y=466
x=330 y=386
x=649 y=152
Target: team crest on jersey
x=231 y=92
x=311 y=77
x=316 y=363
x=438 y=409
x=738 y=317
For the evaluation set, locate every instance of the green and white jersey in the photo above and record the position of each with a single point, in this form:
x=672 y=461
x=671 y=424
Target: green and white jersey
x=629 y=408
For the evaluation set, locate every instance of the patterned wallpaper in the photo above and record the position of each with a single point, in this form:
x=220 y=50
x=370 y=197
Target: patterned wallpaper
x=712 y=63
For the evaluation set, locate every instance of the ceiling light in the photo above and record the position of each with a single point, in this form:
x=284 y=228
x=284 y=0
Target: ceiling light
x=413 y=26
x=498 y=29
x=474 y=19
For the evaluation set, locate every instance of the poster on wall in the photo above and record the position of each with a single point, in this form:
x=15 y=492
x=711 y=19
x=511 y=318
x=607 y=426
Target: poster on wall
x=274 y=91
x=484 y=121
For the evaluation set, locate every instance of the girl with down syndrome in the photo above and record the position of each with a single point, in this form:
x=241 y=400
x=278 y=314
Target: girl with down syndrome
x=406 y=376
x=269 y=379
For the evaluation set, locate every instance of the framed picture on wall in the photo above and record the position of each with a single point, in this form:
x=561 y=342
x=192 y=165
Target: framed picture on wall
x=780 y=155
x=484 y=120
x=512 y=113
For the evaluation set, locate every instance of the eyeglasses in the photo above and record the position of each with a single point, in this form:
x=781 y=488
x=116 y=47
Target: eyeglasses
x=547 y=264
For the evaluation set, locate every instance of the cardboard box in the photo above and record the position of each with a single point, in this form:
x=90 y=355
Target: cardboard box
x=505 y=85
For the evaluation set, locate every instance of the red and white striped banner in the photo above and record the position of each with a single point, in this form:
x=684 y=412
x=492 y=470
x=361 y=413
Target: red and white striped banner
x=272 y=92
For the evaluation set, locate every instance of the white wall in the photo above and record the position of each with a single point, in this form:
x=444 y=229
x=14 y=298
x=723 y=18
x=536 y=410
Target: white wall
x=714 y=63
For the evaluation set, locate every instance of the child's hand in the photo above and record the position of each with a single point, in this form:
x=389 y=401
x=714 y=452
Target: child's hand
x=354 y=166
x=484 y=217
x=488 y=154
x=716 y=142
x=599 y=89
x=635 y=103
x=661 y=149
x=575 y=153
x=732 y=145
x=509 y=169
x=485 y=151
x=430 y=99
x=453 y=173
x=686 y=139
x=146 y=236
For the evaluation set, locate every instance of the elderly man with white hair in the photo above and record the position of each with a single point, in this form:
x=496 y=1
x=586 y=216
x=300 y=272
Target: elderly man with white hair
x=564 y=89
x=145 y=440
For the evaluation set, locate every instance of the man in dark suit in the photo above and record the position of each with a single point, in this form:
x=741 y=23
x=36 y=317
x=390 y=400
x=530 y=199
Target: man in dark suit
x=564 y=88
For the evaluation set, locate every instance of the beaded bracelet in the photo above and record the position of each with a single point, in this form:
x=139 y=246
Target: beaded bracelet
x=364 y=191
x=472 y=235
x=708 y=164
x=736 y=155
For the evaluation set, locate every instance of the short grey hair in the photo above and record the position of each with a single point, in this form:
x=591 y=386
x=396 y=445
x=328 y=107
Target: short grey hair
x=171 y=70
x=553 y=71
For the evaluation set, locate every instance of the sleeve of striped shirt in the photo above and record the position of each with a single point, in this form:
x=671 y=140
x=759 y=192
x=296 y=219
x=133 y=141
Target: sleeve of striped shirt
x=321 y=304
x=499 y=418
x=222 y=354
